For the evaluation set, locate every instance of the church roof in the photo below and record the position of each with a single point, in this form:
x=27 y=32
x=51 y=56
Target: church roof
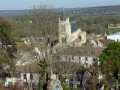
x=74 y=26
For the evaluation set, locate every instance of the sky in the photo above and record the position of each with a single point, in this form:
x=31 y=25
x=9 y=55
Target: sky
x=28 y=4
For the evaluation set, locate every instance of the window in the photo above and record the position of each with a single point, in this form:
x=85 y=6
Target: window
x=86 y=64
x=63 y=28
x=79 y=37
x=72 y=57
x=31 y=76
x=24 y=75
x=9 y=83
x=81 y=51
x=94 y=52
x=87 y=53
x=94 y=59
x=63 y=40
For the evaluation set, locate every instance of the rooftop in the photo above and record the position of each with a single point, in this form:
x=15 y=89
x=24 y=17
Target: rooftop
x=33 y=67
x=106 y=42
x=74 y=26
x=82 y=51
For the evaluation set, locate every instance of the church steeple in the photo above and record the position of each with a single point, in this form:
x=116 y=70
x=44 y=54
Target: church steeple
x=63 y=15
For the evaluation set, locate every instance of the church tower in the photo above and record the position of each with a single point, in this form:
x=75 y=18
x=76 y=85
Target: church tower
x=64 y=29
x=69 y=32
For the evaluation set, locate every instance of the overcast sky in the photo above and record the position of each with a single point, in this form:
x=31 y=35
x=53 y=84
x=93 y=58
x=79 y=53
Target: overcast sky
x=28 y=4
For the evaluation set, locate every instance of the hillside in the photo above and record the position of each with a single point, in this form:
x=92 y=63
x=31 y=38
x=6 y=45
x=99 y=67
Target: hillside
x=13 y=13
x=94 y=11
x=91 y=11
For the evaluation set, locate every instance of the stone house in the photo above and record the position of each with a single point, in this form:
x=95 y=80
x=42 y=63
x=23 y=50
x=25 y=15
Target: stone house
x=114 y=26
x=97 y=40
x=25 y=73
x=84 y=55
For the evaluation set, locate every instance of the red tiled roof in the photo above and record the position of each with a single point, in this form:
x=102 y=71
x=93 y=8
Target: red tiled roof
x=43 y=45
x=114 y=25
x=24 y=46
x=76 y=41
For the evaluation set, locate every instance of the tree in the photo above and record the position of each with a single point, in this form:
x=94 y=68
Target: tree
x=8 y=47
x=44 y=24
x=41 y=21
x=110 y=61
x=5 y=32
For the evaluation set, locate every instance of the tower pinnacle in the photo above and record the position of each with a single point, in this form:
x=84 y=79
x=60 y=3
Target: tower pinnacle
x=63 y=15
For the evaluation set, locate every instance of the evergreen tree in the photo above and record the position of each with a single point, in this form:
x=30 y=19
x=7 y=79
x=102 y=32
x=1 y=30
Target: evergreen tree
x=8 y=47
x=110 y=61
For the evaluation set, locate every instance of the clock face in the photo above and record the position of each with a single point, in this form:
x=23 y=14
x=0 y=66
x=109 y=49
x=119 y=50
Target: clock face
x=57 y=87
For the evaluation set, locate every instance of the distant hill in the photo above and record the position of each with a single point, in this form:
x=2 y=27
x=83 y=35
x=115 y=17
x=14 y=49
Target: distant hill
x=103 y=10
x=13 y=13
x=93 y=11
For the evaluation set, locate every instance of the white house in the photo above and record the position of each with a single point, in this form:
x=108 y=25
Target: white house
x=115 y=36
x=24 y=77
x=87 y=61
x=114 y=26
x=86 y=56
x=11 y=81
x=26 y=73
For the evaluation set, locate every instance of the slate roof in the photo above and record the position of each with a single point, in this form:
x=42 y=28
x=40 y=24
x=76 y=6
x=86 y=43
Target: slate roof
x=83 y=51
x=74 y=26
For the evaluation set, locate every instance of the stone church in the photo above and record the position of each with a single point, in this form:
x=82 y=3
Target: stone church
x=70 y=33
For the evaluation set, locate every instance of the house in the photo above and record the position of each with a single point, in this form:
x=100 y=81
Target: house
x=69 y=32
x=97 y=40
x=25 y=73
x=114 y=26
x=85 y=55
x=115 y=37
x=28 y=71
